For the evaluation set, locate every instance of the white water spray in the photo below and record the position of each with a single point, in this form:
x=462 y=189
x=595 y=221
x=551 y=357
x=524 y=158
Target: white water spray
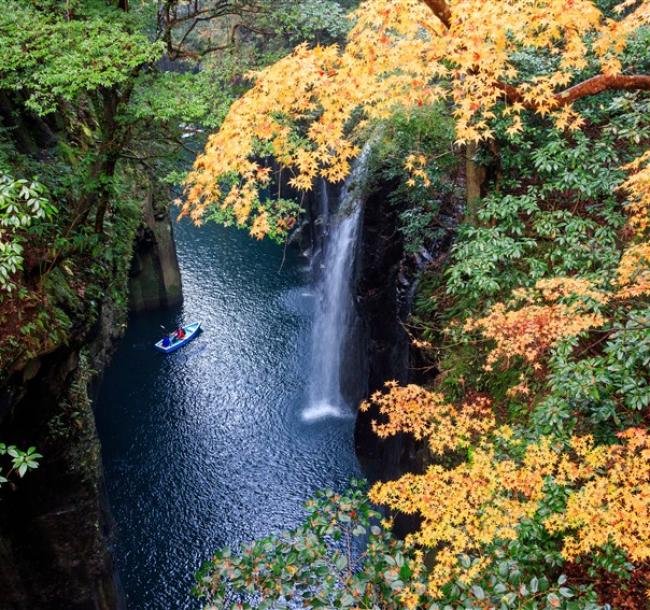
x=335 y=307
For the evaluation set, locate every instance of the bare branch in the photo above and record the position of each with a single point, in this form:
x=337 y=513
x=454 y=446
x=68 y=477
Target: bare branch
x=441 y=10
x=591 y=86
x=604 y=82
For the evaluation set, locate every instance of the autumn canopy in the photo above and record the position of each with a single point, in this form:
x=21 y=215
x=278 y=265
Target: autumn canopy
x=313 y=110
x=309 y=109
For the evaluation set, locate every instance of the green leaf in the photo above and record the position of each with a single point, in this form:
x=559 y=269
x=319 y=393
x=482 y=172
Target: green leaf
x=478 y=592
x=347 y=600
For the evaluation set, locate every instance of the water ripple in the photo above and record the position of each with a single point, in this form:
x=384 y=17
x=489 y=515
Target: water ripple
x=208 y=446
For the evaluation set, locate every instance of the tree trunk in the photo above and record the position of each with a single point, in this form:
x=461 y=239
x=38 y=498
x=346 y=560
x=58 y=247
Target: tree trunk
x=475 y=179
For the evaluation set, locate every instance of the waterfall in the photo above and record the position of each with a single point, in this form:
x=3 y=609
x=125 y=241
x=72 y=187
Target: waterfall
x=324 y=208
x=335 y=308
x=321 y=226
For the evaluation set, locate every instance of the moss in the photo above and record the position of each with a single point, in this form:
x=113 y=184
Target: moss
x=76 y=405
x=124 y=232
x=65 y=304
x=429 y=132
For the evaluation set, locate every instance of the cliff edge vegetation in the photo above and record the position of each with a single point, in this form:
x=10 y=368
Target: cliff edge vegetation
x=101 y=103
x=532 y=335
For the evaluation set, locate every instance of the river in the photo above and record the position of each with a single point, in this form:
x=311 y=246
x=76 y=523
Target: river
x=209 y=446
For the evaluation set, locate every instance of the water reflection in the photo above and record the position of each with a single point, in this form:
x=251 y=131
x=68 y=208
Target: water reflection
x=207 y=446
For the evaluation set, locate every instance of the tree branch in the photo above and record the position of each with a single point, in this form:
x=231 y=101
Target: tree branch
x=440 y=9
x=591 y=86
x=603 y=82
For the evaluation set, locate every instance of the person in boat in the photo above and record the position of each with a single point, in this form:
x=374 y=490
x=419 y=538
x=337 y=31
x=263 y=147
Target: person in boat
x=180 y=333
x=166 y=341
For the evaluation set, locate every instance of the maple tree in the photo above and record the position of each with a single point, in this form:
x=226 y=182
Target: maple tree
x=530 y=330
x=467 y=508
x=558 y=277
x=410 y=53
x=427 y=415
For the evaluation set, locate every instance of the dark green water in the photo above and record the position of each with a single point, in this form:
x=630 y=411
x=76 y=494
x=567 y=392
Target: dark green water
x=207 y=446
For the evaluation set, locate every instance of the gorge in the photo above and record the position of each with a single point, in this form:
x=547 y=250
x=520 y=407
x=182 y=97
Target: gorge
x=456 y=313
x=224 y=441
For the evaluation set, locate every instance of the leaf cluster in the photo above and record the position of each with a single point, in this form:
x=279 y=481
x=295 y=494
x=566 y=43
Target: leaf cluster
x=20 y=461
x=52 y=60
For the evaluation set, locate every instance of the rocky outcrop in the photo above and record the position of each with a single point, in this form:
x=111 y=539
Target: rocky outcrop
x=155 y=278
x=54 y=524
x=386 y=284
x=383 y=300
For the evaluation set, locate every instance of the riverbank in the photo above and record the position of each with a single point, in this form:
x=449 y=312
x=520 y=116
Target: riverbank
x=55 y=525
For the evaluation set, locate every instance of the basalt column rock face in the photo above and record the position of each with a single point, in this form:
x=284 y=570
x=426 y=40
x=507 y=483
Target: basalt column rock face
x=386 y=284
x=383 y=300
x=55 y=524
x=155 y=278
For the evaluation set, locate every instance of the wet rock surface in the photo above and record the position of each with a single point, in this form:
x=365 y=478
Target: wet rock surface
x=54 y=524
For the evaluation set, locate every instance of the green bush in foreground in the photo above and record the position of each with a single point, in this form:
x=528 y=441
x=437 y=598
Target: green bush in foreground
x=340 y=557
x=344 y=556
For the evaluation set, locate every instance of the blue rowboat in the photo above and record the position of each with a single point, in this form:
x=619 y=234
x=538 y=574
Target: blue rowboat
x=191 y=330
